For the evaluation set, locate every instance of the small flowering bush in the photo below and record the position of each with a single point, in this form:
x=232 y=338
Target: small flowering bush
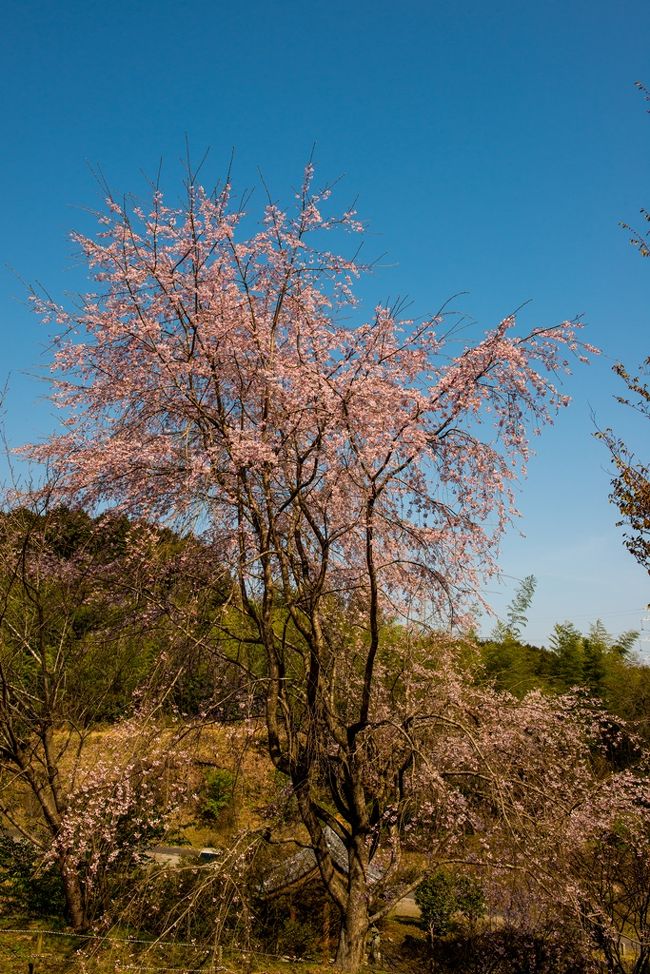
x=120 y=804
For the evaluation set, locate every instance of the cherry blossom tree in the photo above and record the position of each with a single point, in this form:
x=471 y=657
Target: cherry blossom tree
x=610 y=858
x=350 y=470
x=534 y=808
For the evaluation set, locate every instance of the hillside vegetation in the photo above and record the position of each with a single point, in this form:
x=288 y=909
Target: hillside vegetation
x=133 y=737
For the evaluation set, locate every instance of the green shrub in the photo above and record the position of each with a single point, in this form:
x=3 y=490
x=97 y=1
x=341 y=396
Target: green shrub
x=26 y=887
x=218 y=790
x=445 y=898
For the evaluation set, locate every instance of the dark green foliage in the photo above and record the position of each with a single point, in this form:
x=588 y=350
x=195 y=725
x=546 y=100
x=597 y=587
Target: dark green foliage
x=512 y=951
x=68 y=599
x=567 y=664
x=218 y=790
x=96 y=600
x=437 y=902
x=209 y=683
x=298 y=923
x=194 y=689
x=598 y=662
x=446 y=898
x=514 y=666
x=26 y=887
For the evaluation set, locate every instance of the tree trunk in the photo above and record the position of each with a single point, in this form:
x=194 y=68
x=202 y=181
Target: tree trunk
x=74 y=899
x=352 y=939
x=350 y=954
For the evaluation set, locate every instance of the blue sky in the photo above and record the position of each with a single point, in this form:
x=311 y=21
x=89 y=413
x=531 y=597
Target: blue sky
x=493 y=148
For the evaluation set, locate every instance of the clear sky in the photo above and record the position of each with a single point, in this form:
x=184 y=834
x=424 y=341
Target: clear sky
x=494 y=148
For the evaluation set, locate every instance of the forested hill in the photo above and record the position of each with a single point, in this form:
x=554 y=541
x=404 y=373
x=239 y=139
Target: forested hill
x=606 y=666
